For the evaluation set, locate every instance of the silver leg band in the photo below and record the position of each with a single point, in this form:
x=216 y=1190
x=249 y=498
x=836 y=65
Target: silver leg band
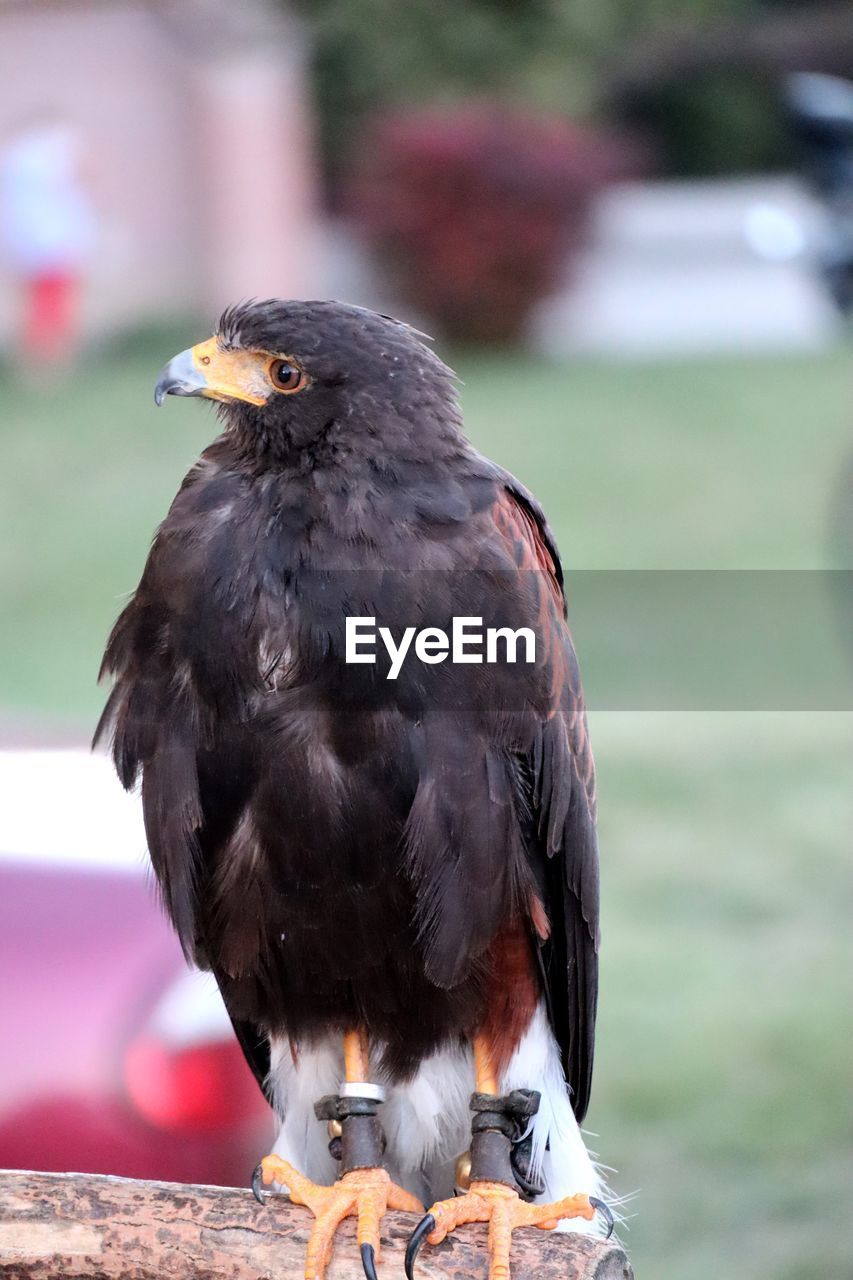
x=361 y=1089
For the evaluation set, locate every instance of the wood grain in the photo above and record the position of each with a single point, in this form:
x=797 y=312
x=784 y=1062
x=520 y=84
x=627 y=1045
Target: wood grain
x=88 y=1227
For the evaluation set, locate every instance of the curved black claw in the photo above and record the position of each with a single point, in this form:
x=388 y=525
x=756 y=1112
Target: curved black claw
x=416 y=1239
x=605 y=1212
x=257 y=1184
x=368 y=1261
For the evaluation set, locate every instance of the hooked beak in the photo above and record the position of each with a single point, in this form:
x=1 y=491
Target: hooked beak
x=208 y=370
x=180 y=377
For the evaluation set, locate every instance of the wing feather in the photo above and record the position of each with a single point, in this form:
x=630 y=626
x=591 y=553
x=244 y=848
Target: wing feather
x=559 y=778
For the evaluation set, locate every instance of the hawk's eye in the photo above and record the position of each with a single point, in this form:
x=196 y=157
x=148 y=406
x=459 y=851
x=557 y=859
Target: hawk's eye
x=286 y=376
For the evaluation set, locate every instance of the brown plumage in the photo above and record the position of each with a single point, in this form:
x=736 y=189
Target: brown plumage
x=341 y=848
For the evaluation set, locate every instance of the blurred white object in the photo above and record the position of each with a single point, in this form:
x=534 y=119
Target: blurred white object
x=190 y=1012
x=683 y=268
x=69 y=808
x=46 y=217
x=774 y=233
x=821 y=97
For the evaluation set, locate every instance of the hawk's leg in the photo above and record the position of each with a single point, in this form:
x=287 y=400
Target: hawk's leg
x=493 y=1192
x=364 y=1189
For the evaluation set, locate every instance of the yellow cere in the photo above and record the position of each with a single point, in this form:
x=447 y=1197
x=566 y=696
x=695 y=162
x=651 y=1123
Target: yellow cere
x=233 y=375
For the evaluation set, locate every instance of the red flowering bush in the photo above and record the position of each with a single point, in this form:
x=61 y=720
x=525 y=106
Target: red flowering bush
x=474 y=210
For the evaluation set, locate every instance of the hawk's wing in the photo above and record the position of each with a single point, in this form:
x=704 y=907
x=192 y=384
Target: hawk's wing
x=559 y=785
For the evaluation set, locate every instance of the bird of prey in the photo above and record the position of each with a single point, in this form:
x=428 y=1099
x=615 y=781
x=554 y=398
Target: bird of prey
x=392 y=876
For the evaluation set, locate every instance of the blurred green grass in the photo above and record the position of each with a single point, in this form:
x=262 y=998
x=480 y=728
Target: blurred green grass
x=723 y=1067
x=723 y=1063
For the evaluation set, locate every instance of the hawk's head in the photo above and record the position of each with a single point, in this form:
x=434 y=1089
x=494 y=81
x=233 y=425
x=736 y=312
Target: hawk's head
x=285 y=372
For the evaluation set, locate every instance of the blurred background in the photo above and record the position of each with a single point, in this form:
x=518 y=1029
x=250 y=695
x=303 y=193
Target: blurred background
x=629 y=226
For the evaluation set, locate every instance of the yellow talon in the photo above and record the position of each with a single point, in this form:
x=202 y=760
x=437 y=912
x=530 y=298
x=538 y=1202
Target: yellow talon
x=504 y=1210
x=365 y=1194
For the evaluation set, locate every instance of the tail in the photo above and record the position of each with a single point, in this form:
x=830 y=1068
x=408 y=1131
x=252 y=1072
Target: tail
x=560 y=1158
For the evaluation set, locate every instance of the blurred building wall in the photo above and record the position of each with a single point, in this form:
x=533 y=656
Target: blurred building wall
x=685 y=268
x=196 y=127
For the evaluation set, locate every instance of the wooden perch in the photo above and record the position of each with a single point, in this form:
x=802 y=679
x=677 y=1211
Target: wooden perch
x=87 y=1227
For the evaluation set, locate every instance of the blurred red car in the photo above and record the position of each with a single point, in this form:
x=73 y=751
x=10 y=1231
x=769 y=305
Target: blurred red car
x=114 y=1056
